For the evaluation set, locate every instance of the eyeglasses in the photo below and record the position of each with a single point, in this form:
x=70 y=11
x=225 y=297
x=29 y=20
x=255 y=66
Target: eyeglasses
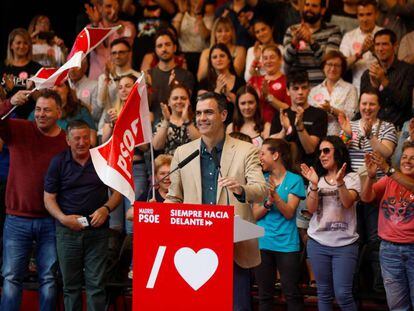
x=113 y=53
x=330 y=65
x=325 y=150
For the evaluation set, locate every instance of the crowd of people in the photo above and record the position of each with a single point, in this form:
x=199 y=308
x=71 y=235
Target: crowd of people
x=321 y=93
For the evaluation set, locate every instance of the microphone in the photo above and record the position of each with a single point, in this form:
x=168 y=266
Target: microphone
x=180 y=165
x=218 y=166
x=188 y=159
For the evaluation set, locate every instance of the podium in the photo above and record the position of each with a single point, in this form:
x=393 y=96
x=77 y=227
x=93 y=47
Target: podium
x=183 y=255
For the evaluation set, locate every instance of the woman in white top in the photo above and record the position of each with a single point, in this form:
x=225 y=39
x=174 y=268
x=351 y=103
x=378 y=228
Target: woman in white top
x=334 y=95
x=332 y=246
x=247 y=118
x=223 y=32
x=193 y=23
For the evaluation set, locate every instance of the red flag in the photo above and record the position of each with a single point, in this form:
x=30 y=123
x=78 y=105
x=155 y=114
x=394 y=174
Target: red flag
x=113 y=160
x=85 y=42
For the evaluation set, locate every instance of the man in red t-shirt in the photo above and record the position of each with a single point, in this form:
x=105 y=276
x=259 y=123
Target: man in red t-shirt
x=395 y=196
x=32 y=145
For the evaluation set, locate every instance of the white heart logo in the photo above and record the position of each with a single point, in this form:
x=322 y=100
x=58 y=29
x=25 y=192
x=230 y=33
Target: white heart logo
x=196 y=268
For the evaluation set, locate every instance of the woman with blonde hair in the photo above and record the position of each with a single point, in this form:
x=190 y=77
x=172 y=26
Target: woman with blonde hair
x=18 y=67
x=223 y=32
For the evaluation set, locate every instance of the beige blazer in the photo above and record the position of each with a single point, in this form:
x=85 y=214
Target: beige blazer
x=240 y=160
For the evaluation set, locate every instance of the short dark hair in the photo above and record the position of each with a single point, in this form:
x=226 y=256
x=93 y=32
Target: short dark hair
x=48 y=93
x=283 y=148
x=371 y=91
x=365 y=3
x=335 y=54
x=77 y=124
x=121 y=40
x=219 y=98
x=341 y=155
x=386 y=32
x=165 y=32
x=297 y=77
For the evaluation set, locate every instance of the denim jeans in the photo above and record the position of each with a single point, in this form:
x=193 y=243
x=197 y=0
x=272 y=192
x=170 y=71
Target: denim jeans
x=117 y=221
x=19 y=234
x=289 y=267
x=241 y=289
x=334 y=269
x=397 y=265
x=83 y=257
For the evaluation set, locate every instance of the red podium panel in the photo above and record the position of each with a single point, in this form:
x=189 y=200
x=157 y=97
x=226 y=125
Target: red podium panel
x=183 y=257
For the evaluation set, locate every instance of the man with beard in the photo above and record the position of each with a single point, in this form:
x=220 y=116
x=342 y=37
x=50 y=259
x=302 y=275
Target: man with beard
x=306 y=43
x=357 y=44
x=393 y=79
x=166 y=72
x=117 y=66
x=105 y=14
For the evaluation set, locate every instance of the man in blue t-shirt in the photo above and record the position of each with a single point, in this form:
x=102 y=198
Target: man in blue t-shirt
x=76 y=197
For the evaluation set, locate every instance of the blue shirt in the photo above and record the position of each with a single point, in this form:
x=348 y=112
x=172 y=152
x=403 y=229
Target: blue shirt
x=209 y=173
x=79 y=189
x=281 y=234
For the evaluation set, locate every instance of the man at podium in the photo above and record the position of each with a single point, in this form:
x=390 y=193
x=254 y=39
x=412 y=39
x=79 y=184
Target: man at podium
x=227 y=172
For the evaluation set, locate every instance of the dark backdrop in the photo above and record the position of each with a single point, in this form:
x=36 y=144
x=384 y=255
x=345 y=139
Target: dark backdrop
x=18 y=13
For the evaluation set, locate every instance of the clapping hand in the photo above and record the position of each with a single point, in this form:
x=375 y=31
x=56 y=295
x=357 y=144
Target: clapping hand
x=340 y=175
x=165 y=110
x=367 y=128
x=370 y=164
x=284 y=120
x=310 y=174
x=345 y=124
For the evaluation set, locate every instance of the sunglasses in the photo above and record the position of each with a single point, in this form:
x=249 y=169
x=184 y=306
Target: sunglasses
x=325 y=150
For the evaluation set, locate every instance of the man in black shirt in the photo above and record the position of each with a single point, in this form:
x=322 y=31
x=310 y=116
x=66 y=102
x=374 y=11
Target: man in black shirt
x=301 y=124
x=166 y=72
x=393 y=79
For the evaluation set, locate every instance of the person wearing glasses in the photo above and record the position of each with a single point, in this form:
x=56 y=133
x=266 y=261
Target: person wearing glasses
x=334 y=95
x=117 y=66
x=369 y=134
x=332 y=246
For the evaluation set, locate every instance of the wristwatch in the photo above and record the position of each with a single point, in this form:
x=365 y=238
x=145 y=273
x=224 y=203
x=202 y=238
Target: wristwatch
x=390 y=171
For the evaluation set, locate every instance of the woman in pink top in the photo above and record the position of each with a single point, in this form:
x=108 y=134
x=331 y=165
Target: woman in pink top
x=395 y=195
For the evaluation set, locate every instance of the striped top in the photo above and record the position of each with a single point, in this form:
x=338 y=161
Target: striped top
x=305 y=57
x=359 y=145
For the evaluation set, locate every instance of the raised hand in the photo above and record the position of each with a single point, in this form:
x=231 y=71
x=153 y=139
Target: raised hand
x=368 y=44
x=341 y=174
x=310 y=174
x=93 y=14
x=299 y=116
x=185 y=114
x=345 y=124
x=380 y=161
x=367 y=128
x=165 y=112
x=284 y=120
x=326 y=106
x=371 y=166
x=113 y=116
x=172 y=79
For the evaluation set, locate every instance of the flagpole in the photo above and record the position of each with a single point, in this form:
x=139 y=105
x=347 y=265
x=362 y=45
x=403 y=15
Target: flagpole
x=152 y=170
x=15 y=106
